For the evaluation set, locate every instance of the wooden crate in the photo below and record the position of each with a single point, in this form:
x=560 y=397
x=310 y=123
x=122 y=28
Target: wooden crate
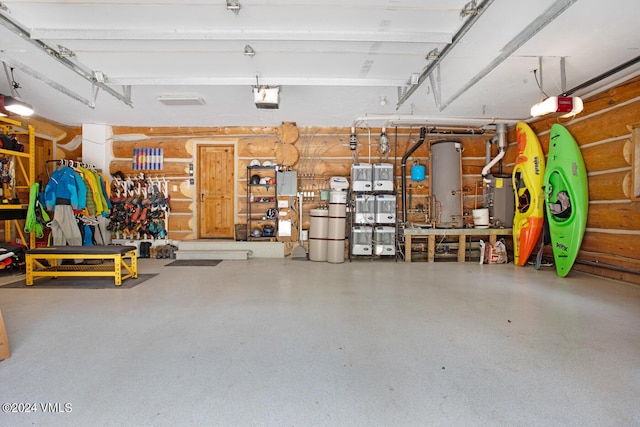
x=5 y=351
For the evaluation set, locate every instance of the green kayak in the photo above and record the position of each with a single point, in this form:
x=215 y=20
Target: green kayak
x=566 y=196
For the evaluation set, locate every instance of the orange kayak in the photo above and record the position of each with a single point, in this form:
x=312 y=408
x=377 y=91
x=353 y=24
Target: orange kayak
x=528 y=180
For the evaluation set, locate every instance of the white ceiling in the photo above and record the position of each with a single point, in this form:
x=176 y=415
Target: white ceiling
x=332 y=60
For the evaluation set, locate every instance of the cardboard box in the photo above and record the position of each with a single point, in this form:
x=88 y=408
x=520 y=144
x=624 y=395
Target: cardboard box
x=5 y=351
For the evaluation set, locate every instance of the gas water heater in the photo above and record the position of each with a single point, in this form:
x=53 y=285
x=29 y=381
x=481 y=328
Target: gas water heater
x=500 y=199
x=446 y=184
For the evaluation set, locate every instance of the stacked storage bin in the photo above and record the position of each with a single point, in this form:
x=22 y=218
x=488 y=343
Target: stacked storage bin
x=373 y=218
x=362 y=240
x=384 y=240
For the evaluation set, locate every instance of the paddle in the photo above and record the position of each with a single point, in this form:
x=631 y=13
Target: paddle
x=545 y=238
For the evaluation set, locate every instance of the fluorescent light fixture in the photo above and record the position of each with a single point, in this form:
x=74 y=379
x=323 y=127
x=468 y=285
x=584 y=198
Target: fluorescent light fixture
x=181 y=100
x=564 y=106
x=16 y=106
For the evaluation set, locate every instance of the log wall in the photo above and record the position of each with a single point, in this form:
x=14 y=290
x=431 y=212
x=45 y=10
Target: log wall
x=316 y=154
x=604 y=131
x=607 y=133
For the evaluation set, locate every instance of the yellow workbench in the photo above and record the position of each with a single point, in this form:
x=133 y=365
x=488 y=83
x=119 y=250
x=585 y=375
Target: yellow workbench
x=125 y=262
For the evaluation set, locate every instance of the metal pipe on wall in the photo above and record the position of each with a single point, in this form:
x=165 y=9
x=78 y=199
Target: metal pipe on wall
x=404 y=120
x=403 y=171
x=501 y=135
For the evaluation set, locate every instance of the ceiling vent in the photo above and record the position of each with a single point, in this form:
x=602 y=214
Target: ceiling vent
x=266 y=97
x=181 y=100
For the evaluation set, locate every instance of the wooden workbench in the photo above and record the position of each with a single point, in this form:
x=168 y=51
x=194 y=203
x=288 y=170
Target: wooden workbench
x=461 y=233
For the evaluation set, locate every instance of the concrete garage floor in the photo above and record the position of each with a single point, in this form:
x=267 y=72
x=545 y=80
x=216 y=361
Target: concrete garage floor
x=298 y=343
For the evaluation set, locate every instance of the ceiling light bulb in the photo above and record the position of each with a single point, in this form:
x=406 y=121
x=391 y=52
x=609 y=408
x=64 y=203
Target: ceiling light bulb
x=249 y=51
x=383 y=100
x=234 y=6
x=564 y=106
x=17 y=106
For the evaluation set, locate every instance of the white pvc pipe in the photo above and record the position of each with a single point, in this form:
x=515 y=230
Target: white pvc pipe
x=407 y=120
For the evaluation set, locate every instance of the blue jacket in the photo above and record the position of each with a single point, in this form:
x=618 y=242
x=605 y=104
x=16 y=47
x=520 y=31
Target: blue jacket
x=65 y=183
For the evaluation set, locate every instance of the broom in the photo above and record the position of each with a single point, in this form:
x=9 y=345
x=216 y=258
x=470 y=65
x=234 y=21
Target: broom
x=299 y=253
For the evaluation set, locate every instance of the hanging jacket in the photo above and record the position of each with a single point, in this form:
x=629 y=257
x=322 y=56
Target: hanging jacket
x=103 y=205
x=106 y=193
x=65 y=187
x=37 y=218
x=94 y=204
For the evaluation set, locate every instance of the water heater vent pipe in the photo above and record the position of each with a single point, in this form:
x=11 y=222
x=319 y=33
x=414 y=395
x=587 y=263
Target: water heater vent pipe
x=501 y=135
x=403 y=169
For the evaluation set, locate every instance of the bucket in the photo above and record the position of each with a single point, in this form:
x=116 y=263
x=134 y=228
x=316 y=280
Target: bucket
x=481 y=218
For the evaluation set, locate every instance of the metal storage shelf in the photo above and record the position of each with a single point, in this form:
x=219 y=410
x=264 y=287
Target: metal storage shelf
x=351 y=223
x=256 y=209
x=14 y=212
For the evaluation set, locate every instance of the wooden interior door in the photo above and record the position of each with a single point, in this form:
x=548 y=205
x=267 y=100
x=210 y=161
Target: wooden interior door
x=216 y=191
